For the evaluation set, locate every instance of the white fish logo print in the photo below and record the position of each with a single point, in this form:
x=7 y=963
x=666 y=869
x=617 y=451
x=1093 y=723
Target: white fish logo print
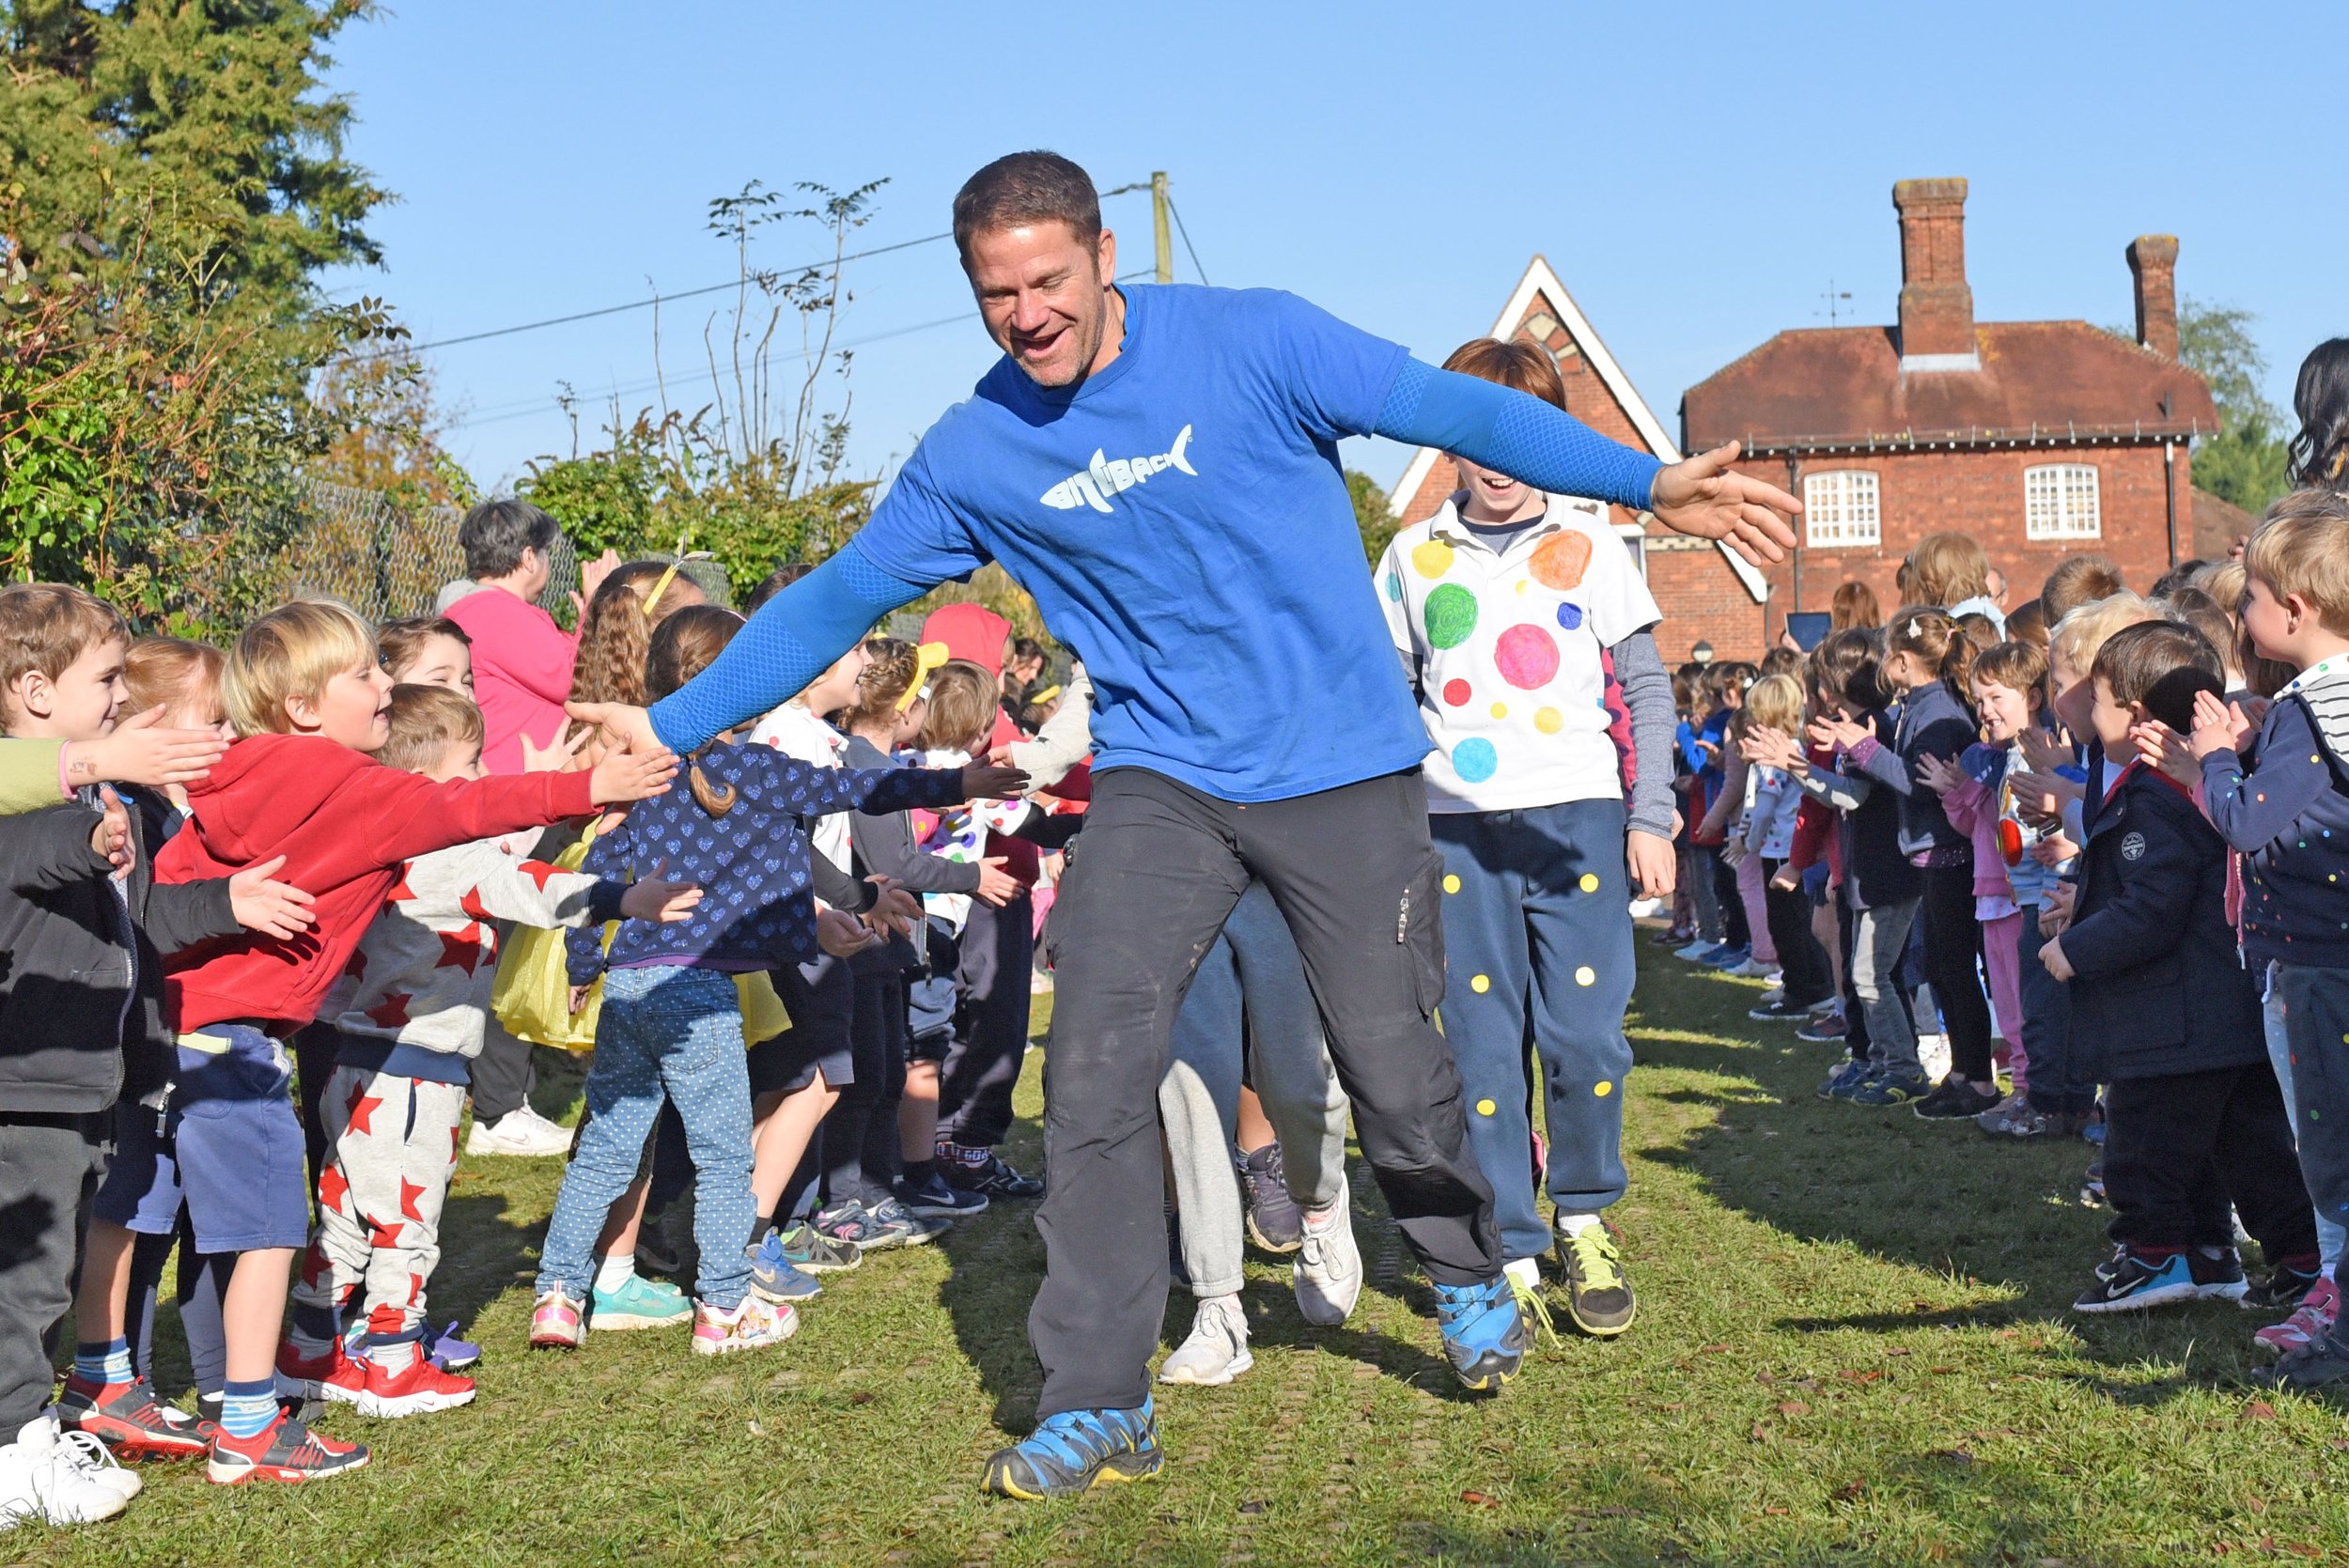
x=1093 y=486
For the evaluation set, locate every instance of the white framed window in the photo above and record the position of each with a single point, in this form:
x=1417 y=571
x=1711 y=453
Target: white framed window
x=1634 y=540
x=1840 y=509
x=2060 y=501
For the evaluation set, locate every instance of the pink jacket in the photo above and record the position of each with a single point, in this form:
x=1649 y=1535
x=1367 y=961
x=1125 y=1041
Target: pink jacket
x=522 y=672
x=1973 y=811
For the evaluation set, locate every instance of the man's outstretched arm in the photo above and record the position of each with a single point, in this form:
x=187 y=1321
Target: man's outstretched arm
x=1549 y=449
x=795 y=637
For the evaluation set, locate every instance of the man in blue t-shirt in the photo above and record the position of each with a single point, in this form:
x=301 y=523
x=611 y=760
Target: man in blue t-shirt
x=1158 y=467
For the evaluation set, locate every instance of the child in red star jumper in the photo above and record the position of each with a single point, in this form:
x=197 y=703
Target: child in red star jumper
x=409 y=1018
x=308 y=700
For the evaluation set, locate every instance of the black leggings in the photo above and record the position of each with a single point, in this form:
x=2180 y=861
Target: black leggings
x=1953 y=948
x=1804 y=962
x=870 y=1102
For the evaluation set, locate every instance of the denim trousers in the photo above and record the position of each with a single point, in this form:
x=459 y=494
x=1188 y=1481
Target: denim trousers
x=673 y=1033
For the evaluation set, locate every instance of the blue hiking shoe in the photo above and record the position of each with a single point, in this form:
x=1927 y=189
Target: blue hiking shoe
x=1483 y=1333
x=1077 y=1451
x=1888 y=1088
x=451 y=1353
x=1726 y=957
x=1840 y=1084
x=776 y=1276
x=2135 y=1281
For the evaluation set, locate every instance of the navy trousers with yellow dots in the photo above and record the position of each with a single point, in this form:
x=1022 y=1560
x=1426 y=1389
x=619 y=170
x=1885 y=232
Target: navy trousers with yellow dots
x=1538 y=934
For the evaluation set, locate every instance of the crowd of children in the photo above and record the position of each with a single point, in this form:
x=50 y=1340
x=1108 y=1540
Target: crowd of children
x=265 y=906
x=2081 y=852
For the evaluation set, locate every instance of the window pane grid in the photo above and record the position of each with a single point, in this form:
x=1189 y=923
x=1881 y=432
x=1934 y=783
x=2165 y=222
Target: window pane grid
x=2061 y=502
x=1840 y=509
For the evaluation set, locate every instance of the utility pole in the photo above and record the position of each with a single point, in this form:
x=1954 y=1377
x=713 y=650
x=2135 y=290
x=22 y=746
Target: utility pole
x=1164 y=241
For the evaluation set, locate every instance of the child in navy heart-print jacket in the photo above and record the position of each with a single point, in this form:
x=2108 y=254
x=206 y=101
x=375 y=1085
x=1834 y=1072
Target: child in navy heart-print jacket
x=670 y=1027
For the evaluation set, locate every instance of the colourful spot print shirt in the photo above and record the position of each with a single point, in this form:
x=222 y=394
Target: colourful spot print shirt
x=1503 y=650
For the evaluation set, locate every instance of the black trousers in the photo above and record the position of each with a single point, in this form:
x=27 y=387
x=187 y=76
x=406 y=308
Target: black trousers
x=1951 y=946
x=1804 y=962
x=500 y=1074
x=48 y=1172
x=1736 y=929
x=1150 y=881
x=2180 y=1148
x=992 y=1004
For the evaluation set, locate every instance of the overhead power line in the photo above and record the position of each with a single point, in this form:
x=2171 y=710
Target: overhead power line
x=1186 y=234
x=499 y=414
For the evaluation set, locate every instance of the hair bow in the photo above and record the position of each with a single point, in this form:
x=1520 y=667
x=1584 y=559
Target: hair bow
x=928 y=656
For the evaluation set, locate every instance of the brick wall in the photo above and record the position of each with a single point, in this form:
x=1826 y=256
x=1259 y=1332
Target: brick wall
x=1981 y=492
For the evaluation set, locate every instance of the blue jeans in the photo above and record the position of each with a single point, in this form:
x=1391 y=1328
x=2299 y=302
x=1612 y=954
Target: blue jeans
x=675 y=1034
x=1537 y=937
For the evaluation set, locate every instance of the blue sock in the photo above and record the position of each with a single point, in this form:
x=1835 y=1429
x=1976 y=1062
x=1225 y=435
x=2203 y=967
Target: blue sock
x=247 y=1409
x=107 y=1362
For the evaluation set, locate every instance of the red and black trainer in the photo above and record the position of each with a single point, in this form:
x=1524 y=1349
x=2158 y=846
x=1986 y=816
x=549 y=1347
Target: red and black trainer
x=127 y=1418
x=419 y=1389
x=330 y=1374
x=285 y=1451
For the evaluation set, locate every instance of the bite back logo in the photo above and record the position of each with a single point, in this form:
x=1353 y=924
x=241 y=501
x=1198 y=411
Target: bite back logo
x=1105 y=476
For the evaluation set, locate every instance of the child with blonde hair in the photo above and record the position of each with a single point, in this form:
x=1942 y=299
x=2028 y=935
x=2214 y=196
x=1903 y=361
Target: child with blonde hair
x=1775 y=704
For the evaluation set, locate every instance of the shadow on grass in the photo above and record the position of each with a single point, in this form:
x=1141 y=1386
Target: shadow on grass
x=1941 y=1197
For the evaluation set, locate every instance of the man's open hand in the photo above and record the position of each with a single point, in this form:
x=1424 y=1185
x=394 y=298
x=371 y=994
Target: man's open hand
x=1703 y=497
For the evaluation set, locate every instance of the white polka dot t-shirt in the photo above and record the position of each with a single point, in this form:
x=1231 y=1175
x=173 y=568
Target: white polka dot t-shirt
x=1504 y=651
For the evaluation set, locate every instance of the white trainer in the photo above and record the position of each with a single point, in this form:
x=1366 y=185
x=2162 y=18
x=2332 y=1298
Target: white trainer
x=1328 y=1274
x=50 y=1476
x=1217 y=1350
x=519 y=1131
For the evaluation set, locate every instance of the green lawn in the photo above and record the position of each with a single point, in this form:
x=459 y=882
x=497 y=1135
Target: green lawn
x=1852 y=1348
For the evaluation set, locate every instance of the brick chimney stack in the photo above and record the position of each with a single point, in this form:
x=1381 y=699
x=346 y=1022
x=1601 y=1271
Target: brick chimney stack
x=2153 y=265
x=1937 y=306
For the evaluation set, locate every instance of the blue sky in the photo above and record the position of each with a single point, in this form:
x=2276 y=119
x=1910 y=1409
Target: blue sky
x=1696 y=174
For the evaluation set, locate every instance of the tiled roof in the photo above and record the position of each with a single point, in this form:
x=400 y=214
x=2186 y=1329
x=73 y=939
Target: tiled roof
x=2048 y=381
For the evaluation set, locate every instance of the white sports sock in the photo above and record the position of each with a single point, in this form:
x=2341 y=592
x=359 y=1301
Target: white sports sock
x=615 y=1272
x=1574 y=1224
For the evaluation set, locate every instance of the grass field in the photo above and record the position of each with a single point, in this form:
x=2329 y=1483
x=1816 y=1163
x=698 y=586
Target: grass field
x=1852 y=1347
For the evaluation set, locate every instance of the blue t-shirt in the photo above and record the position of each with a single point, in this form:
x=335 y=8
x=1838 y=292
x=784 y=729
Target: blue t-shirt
x=1182 y=524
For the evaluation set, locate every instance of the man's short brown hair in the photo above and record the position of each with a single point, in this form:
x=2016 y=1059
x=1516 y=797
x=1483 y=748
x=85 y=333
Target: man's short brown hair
x=2303 y=548
x=426 y=722
x=2161 y=664
x=47 y=625
x=1024 y=188
x=1516 y=364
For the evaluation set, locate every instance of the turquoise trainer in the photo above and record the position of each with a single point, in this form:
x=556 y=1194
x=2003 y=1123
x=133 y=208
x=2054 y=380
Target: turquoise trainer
x=640 y=1303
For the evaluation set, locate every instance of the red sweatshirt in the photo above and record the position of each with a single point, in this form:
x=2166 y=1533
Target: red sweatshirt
x=347 y=826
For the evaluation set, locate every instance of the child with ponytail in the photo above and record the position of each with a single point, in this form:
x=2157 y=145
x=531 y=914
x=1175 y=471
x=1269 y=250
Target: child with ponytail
x=1928 y=661
x=671 y=1027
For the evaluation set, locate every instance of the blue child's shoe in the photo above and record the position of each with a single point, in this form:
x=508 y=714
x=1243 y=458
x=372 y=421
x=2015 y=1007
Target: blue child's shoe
x=774 y=1273
x=1077 y=1451
x=1483 y=1333
x=451 y=1353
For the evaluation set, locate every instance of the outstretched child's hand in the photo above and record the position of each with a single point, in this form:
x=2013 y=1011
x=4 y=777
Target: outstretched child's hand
x=842 y=935
x=555 y=757
x=1839 y=730
x=894 y=910
x=2219 y=726
x=271 y=908
x=2039 y=797
x=989 y=782
x=654 y=898
x=2043 y=751
x=140 y=751
x=628 y=774
x=111 y=836
x=1939 y=774
x=997 y=887
x=1651 y=862
x=2161 y=747
x=1770 y=748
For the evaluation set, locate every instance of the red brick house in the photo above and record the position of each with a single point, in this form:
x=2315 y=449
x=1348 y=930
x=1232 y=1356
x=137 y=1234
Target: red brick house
x=2042 y=439
x=1706 y=593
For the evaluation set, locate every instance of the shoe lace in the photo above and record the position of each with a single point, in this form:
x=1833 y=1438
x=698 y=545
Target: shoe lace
x=1534 y=1310
x=1076 y=1438
x=83 y=1453
x=1596 y=1260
